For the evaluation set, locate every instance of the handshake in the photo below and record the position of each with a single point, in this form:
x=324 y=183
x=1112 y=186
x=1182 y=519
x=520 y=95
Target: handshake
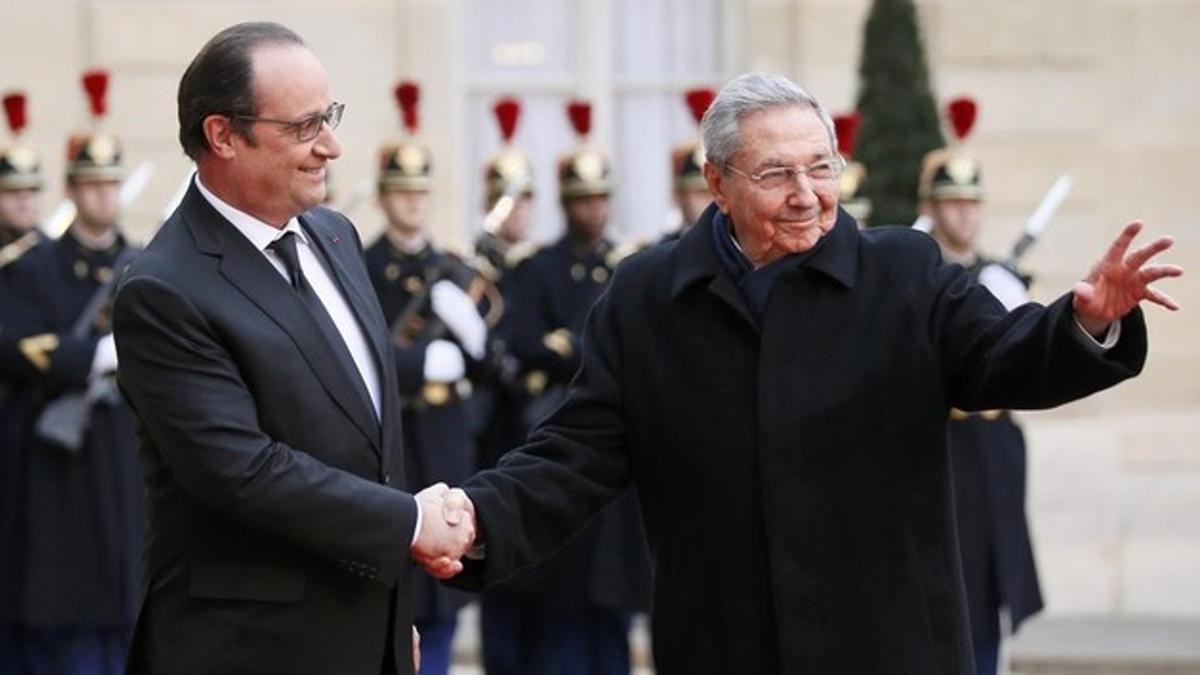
x=447 y=530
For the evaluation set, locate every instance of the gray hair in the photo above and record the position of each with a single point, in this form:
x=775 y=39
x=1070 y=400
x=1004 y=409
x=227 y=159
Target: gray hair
x=747 y=94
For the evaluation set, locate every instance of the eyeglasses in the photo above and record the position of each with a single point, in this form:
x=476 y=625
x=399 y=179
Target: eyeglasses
x=307 y=128
x=822 y=172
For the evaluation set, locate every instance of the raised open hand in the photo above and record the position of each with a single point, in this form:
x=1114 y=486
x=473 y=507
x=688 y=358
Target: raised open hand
x=1118 y=282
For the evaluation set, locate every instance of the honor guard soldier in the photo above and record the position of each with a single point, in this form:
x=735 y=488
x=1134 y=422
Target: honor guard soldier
x=431 y=301
x=852 y=186
x=508 y=197
x=500 y=246
x=570 y=614
x=687 y=167
x=20 y=187
x=83 y=507
x=987 y=449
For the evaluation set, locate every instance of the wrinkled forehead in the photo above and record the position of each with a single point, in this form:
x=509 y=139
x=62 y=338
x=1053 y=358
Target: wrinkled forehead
x=792 y=133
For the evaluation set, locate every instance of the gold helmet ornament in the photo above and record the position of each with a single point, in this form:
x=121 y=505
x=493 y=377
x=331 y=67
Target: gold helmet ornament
x=853 y=183
x=584 y=172
x=20 y=167
x=950 y=172
x=687 y=159
x=406 y=164
x=509 y=171
x=95 y=155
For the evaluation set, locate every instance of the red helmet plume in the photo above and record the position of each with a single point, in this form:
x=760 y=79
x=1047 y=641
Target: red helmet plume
x=408 y=95
x=508 y=113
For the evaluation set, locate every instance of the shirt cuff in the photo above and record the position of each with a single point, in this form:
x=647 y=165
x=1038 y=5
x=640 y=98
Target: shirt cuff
x=417 y=528
x=1110 y=338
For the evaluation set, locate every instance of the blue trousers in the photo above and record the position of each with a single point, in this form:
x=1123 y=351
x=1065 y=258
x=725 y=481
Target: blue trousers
x=436 y=638
x=523 y=634
x=88 y=650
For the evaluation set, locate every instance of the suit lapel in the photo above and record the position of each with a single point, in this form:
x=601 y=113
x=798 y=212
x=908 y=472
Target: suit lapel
x=365 y=306
x=250 y=272
x=696 y=260
x=361 y=300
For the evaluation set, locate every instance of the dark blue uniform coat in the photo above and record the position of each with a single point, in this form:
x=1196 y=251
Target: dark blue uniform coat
x=798 y=510
x=19 y=318
x=81 y=514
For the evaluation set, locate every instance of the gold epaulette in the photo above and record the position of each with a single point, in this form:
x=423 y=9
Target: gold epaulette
x=13 y=250
x=623 y=251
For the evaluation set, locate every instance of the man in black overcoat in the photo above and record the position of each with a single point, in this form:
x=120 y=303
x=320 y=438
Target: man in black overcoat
x=776 y=385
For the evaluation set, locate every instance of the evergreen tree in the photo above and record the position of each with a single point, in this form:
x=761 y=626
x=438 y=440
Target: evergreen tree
x=899 y=116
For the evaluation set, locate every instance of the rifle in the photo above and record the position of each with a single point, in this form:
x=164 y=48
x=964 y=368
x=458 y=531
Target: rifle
x=410 y=327
x=64 y=420
x=1037 y=221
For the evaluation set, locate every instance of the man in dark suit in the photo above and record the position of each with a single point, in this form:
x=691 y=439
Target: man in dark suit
x=745 y=379
x=256 y=359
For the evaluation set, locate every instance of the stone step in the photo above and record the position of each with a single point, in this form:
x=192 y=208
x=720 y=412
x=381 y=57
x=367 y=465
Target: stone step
x=1106 y=646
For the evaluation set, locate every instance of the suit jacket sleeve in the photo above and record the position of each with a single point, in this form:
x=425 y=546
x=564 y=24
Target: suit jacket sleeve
x=1033 y=357
x=576 y=462
x=198 y=412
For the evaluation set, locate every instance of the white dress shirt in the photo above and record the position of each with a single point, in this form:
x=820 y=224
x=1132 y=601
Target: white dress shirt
x=261 y=236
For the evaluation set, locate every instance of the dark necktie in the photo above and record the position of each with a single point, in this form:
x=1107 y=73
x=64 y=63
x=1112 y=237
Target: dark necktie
x=285 y=248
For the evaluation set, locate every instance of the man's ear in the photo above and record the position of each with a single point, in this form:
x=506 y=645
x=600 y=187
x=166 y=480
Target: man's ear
x=716 y=186
x=219 y=131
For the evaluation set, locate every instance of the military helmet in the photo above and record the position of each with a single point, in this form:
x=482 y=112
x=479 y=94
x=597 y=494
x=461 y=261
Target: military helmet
x=951 y=172
x=95 y=155
x=584 y=172
x=20 y=166
x=509 y=171
x=406 y=164
x=687 y=159
x=852 y=185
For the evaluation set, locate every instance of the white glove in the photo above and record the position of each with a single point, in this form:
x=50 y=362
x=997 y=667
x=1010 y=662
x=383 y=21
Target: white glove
x=104 y=359
x=444 y=362
x=456 y=309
